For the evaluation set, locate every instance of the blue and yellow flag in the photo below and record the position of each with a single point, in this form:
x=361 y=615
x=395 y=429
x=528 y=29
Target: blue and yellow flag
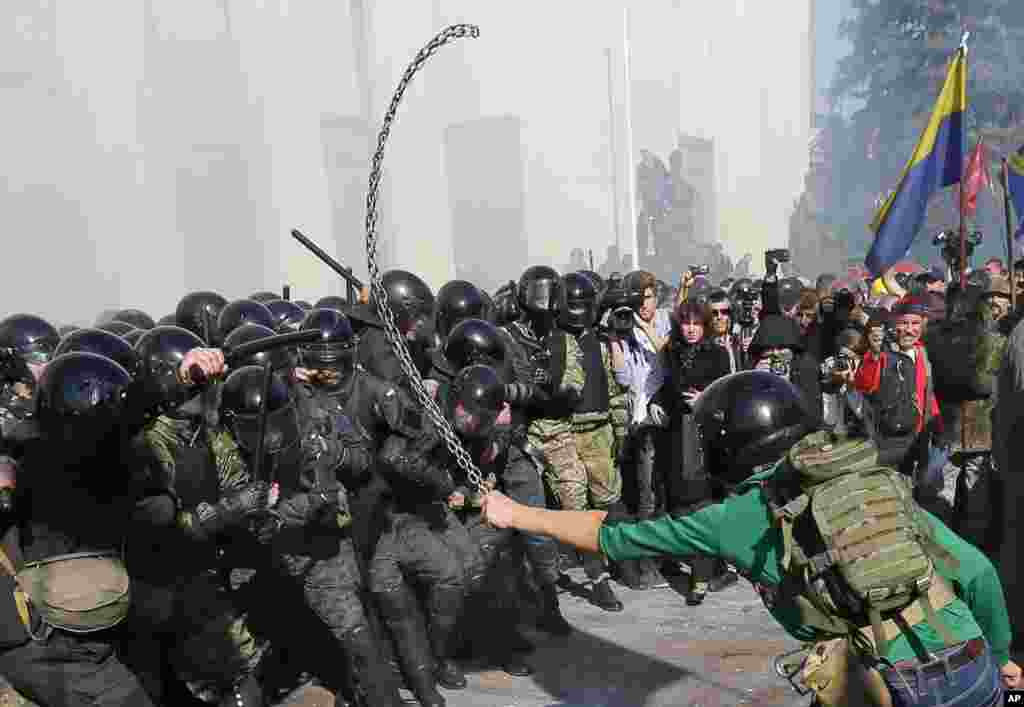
x=937 y=162
x=1015 y=185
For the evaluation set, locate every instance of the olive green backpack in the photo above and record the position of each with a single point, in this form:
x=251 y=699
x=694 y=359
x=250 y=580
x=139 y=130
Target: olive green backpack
x=858 y=552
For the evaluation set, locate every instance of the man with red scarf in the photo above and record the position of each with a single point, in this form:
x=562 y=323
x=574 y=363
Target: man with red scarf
x=899 y=383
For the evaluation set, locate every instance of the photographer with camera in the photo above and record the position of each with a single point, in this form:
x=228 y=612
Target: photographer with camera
x=898 y=382
x=746 y=302
x=639 y=332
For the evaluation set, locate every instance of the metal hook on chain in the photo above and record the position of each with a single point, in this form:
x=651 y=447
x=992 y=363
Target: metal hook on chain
x=380 y=295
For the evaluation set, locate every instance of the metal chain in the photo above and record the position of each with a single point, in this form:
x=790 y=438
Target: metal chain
x=380 y=295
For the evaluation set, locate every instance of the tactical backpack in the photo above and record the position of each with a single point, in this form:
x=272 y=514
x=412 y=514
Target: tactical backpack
x=858 y=553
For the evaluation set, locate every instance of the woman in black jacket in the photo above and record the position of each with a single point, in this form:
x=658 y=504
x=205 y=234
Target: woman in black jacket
x=691 y=362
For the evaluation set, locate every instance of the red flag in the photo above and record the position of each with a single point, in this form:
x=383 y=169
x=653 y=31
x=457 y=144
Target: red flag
x=975 y=177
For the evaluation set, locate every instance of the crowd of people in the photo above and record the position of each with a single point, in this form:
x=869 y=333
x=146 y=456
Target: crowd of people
x=244 y=495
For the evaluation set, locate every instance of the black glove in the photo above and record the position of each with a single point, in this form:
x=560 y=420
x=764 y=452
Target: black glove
x=231 y=510
x=265 y=525
x=13 y=368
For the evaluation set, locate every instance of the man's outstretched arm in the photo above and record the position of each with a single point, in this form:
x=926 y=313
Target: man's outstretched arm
x=577 y=528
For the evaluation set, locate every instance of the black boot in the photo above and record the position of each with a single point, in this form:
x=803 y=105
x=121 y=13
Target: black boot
x=602 y=596
x=551 y=619
x=445 y=606
x=246 y=693
x=629 y=573
x=723 y=580
x=373 y=680
x=401 y=614
x=515 y=665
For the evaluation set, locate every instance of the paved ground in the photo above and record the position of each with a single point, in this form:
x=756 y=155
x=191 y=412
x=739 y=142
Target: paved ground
x=656 y=653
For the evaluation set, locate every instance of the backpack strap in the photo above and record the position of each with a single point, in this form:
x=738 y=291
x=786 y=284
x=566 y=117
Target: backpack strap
x=20 y=599
x=785 y=516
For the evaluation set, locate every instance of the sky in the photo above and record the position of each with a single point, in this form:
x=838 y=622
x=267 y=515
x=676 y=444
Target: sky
x=164 y=146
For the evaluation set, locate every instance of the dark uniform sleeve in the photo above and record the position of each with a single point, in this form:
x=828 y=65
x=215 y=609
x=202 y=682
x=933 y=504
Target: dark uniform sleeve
x=396 y=409
x=412 y=462
x=357 y=462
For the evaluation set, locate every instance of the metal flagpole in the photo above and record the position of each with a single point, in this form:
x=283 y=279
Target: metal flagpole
x=630 y=163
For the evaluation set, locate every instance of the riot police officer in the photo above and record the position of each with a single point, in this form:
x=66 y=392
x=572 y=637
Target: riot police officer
x=547 y=360
x=306 y=529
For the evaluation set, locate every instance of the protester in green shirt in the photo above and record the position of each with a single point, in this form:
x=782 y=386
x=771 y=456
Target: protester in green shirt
x=742 y=531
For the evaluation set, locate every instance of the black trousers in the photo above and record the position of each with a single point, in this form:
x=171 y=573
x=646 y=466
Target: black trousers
x=73 y=671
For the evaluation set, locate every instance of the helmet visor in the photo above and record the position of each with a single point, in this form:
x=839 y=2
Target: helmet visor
x=282 y=430
x=541 y=295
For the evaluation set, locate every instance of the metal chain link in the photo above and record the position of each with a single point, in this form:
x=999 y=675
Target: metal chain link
x=380 y=295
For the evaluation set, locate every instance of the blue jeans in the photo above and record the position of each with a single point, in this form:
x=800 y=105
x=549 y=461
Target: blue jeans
x=975 y=684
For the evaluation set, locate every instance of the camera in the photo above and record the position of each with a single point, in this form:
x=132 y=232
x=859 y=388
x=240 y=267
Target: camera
x=746 y=300
x=844 y=299
x=950 y=242
x=779 y=255
x=696 y=270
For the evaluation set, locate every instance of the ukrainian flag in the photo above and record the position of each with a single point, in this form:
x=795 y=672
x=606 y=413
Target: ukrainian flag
x=937 y=162
x=1015 y=185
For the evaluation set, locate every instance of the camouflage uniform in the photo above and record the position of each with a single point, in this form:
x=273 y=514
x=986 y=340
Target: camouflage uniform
x=564 y=471
x=213 y=649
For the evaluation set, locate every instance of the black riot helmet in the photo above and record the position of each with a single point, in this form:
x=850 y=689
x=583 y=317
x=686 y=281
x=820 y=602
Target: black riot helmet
x=748 y=420
x=632 y=285
x=287 y=315
x=136 y=317
x=134 y=335
x=579 y=307
x=475 y=401
x=117 y=328
x=335 y=349
x=103 y=343
x=594 y=278
x=264 y=297
x=334 y=302
x=31 y=338
x=81 y=398
x=161 y=351
x=239 y=312
x=241 y=401
x=250 y=331
x=474 y=341
x=505 y=304
x=540 y=290
x=168 y=320
x=306 y=306
x=197 y=306
x=458 y=300
x=744 y=287
x=410 y=299
x=488 y=306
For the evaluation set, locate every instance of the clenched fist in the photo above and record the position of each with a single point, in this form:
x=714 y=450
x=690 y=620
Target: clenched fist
x=209 y=361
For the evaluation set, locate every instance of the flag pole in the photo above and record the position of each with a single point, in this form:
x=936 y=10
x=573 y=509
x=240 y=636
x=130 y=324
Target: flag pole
x=1009 y=234
x=963 y=193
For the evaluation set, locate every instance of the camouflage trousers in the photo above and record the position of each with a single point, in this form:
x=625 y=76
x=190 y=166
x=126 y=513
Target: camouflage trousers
x=216 y=649
x=579 y=468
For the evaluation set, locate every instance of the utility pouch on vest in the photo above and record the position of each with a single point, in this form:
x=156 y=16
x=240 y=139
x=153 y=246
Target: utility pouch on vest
x=836 y=675
x=80 y=592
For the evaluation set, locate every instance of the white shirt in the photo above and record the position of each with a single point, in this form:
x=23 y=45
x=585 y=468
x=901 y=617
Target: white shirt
x=642 y=373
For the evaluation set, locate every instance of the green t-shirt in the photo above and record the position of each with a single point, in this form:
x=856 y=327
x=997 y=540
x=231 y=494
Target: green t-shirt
x=740 y=530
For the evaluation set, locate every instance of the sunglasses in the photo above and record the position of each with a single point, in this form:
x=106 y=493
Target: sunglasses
x=715 y=312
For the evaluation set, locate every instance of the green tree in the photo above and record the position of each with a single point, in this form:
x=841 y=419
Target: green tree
x=900 y=53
